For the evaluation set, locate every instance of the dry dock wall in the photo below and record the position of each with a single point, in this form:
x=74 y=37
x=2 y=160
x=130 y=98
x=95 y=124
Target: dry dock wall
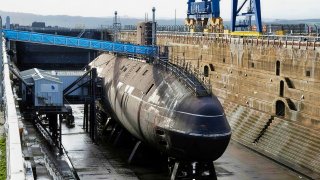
x=269 y=87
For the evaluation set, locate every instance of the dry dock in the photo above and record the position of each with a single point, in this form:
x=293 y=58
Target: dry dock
x=100 y=162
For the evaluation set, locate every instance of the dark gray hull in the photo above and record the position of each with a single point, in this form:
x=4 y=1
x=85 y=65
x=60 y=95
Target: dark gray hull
x=154 y=106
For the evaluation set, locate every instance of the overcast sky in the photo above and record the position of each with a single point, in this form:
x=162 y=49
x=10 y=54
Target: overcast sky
x=275 y=9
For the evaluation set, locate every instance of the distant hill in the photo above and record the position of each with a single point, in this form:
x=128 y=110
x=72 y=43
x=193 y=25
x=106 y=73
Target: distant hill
x=73 y=21
x=299 y=21
x=95 y=22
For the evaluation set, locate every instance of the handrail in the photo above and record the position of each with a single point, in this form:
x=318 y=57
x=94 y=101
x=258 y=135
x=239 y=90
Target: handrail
x=190 y=80
x=224 y=35
x=15 y=161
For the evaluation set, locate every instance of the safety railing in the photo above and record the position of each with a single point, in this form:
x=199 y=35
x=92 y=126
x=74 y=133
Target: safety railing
x=287 y=37
x=191 y=80
x=50 y=29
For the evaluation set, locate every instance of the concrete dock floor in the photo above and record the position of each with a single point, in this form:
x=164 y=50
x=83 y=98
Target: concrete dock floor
x=99 y=162
x=239 y=162
x=92 y=161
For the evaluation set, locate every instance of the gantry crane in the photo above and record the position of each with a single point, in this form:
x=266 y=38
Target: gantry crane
x=253 y=10
x=204 y=16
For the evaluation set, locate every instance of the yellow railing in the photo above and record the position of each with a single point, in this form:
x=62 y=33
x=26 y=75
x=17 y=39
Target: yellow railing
x=246 y=33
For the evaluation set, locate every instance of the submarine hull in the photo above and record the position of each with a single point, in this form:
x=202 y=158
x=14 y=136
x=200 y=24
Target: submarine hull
x=155 y=106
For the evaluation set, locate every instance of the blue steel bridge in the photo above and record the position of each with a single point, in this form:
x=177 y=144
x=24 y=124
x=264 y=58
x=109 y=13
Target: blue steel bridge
x=83 y=43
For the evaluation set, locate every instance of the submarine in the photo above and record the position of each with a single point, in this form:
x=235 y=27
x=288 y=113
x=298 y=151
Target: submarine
x=153 y=102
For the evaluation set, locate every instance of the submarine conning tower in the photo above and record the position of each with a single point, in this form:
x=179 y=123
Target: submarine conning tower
x=157 y=106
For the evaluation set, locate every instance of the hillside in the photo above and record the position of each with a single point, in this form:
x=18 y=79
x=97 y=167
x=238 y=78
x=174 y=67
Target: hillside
x=72 y=21
x=95 y=22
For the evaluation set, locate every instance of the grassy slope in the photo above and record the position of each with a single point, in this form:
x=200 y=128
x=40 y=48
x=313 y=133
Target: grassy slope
x=3 y=171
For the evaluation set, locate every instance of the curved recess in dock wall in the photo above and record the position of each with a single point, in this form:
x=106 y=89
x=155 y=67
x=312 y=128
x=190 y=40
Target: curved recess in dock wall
x=15 y=162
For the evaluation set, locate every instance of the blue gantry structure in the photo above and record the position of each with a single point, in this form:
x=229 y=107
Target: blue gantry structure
x=253 y=9
x=203 y=9
x=75 y=42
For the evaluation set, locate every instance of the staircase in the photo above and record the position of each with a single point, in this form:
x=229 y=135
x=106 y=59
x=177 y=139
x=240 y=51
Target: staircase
x=292 y=144
x=285 y=141
x=246 y=124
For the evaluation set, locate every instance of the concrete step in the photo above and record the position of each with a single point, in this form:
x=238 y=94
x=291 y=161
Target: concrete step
x=297 y=150
x=285 y=139
x=249 y=128
x=304 y=134
x=293 y=158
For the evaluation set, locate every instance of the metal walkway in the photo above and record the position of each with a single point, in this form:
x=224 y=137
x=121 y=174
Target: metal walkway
x=83 y=43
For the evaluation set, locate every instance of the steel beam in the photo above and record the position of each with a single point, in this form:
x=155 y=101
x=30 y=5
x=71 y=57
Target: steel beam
x=215 y=8
x=93 y=127
x=86 y=117
x=257 y=12
x=235 y=12
x=134 y=152
x=189 y=7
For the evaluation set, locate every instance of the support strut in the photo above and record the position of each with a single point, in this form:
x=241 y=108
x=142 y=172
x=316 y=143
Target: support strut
x=134 y=152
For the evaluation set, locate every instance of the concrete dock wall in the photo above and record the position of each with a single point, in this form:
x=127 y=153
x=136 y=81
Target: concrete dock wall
x=269 y=86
